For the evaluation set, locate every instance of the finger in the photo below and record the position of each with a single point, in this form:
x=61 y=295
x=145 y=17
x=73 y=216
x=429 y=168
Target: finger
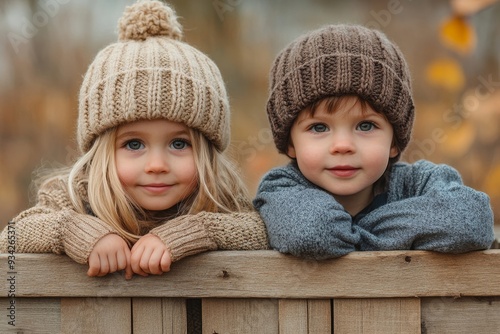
x=94 y=265
x=104 y=266
x=128 y=269
x=166 y=261
x=112 y=263
x=121 y=260
x=135 y=257
x=155 y=261
x=123 y=263
x=135 y=260
x=145 y=258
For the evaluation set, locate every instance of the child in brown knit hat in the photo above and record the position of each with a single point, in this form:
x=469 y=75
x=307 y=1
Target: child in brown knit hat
x=341 y=108
x=154 y=183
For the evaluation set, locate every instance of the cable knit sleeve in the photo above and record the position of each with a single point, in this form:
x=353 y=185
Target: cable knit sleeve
x=429 y=208
x=52 y=226
x=302 y=219
x=193 y=234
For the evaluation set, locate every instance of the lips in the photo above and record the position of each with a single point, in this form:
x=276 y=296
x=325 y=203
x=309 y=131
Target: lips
x=343 y=171
x=156 y=188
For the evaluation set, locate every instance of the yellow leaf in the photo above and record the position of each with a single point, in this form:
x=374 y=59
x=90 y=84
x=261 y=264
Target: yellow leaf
x=446 y=73
x=457 y=34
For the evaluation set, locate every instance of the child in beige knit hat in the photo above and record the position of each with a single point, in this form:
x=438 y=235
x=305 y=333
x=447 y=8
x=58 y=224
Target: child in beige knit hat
x=153 y=183
x=341 y=108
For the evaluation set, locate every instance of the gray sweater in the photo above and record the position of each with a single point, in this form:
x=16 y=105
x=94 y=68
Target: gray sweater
x=428 y=208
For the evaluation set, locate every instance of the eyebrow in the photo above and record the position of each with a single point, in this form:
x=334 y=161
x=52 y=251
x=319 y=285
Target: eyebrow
x=308 y=117
x=363 y=114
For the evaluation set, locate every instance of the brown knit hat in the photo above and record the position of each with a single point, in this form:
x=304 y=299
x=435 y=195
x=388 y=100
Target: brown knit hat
x=150 y=74
x=340 y=60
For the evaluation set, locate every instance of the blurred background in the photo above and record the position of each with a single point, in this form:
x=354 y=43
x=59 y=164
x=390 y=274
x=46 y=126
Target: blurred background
x=452 y=47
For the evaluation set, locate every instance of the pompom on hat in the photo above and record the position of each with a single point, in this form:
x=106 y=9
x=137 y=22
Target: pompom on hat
x=151 y=74
x=340 y=60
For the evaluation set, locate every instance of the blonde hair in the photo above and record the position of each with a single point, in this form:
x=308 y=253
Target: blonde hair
x=93 y=177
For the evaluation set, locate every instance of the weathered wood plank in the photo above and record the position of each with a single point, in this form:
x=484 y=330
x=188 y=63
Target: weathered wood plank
x=96 y=315
x=462 y=315
x=30 y=315
x=174 y=316
x=377 y=316
x=249 y=280
x=147 y=316
x=252 y=274
x=293 y=316
x=305 y=316
x=159 y=315
x=319 y=316
x=240 y=316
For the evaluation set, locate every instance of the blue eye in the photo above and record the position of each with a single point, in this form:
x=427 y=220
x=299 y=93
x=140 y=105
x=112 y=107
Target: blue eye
x=318 y=127
x=179 y=144
x=134 y=145
x=365 y=126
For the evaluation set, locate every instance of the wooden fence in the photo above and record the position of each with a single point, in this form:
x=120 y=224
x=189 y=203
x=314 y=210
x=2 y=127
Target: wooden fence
x=259 y=292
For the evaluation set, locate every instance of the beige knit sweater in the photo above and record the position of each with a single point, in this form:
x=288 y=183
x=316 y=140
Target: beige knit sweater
x=53 y=226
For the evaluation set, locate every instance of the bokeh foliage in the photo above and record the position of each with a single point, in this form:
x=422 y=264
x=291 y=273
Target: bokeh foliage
x=453 y=49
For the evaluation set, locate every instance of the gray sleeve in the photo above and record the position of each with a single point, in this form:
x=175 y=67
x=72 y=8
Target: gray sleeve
x=430 y=209
x=303 y=220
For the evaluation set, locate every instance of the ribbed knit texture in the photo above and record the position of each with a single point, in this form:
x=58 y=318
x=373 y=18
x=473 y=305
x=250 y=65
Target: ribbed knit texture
x=81 y=233
x=340 y=60
x=186 y=235
x=150 y=74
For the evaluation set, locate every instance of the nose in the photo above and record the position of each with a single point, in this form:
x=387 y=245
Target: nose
x=342 y=143
x=157 y=162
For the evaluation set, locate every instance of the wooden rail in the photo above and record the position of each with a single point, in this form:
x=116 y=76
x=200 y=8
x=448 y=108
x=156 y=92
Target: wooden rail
x=259 y=292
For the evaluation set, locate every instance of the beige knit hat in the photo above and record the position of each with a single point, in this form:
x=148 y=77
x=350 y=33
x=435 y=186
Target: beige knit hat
x=340 y=60
x=150 y=74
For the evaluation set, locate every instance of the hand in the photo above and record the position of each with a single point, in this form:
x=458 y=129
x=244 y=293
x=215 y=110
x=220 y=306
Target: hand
x=150 y=256
x=111 y=253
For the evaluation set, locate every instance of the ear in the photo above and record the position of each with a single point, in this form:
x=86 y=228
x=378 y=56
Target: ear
x=291 y=151
x=394 y=152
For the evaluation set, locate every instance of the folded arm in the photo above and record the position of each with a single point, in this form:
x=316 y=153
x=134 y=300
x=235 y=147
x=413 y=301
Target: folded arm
x=52 y=226
x=193 y=234
x=429 y=209
x=303 y=220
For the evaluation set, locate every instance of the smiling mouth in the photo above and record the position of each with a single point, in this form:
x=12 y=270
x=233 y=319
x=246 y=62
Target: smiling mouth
x=157 y=188
x=343 y=171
